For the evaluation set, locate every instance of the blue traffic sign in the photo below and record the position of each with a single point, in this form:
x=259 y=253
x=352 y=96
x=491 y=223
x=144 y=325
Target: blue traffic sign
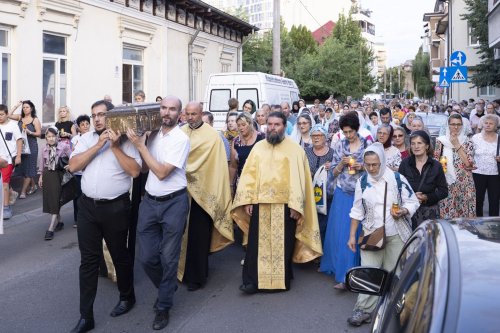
x=458 y=58
x=458 y=74
x=449 y=75
x=444 y=81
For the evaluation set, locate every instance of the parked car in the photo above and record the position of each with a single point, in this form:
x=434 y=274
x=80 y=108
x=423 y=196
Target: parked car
x=447 y=279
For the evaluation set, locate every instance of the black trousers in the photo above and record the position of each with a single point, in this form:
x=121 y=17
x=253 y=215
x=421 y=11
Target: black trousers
x=491 y=184
x=250 y=267
x=138 y=191
x=110 y=221
x=78 y=194
x=198 y=248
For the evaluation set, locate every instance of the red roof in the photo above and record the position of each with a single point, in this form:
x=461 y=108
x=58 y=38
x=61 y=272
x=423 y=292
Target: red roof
x=323 y=32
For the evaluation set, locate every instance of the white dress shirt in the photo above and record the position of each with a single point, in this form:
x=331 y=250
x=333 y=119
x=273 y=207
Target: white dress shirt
x=103 y=177
x=171 y=148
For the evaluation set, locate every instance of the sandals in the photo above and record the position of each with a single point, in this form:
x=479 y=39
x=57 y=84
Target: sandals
x=32 y=190
x=22 y=196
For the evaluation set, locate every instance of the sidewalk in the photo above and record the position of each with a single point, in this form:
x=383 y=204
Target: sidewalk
x=26 y=210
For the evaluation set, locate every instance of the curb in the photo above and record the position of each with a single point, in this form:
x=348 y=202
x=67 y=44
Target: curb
x=29 y=216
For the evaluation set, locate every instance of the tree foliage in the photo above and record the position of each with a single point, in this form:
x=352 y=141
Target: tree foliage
x=487 y=73
x=339 y=67
x=423 y=84
x=393 y=82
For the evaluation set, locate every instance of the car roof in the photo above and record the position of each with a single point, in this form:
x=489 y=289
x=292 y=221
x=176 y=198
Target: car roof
x=478 y=243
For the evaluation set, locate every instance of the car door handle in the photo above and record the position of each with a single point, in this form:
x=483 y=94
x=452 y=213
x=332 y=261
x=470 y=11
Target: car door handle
x=400 y=304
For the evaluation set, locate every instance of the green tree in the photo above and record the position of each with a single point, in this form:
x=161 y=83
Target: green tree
x=393 y=84
x=302 y=39
x=423 y=84
x=486 y=73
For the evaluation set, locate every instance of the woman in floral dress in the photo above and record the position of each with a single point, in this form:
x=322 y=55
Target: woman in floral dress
x=459 y=153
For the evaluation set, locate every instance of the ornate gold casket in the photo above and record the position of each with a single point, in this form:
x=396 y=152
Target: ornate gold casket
x=141 y=117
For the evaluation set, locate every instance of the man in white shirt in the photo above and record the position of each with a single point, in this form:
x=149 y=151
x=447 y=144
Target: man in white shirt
x=12 y=142
x=109 y=164
x=163 y=211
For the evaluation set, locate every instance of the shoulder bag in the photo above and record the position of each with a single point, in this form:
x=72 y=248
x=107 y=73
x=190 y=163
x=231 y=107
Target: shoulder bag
x=374 y=240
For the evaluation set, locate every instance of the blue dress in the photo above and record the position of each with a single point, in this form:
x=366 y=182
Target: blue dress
x=337 y=257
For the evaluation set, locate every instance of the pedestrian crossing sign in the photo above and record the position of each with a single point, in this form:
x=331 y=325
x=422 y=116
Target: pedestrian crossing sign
x=460 y=75
x=444 y=83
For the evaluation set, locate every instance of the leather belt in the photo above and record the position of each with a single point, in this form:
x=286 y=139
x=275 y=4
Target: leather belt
x=106 y=201
x=166 y=197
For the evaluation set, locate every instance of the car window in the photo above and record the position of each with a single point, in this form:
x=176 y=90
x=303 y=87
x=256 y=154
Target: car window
x=406 y=293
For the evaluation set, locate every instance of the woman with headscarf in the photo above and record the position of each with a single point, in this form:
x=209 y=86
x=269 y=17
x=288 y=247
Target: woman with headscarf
x=392 y=154
x=380 y=185
x=425 y=176
x=455 y=152
x=301 y=130
x=346 y=165
x=318 y=155
x=51 y=177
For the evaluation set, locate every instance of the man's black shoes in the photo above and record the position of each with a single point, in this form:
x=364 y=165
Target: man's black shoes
x=192 y=286
x=83 y=325
x=161 y=320
x=249 y=288
x=122 y=307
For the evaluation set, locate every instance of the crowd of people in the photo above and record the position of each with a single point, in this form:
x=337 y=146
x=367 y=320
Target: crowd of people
x=299 y=183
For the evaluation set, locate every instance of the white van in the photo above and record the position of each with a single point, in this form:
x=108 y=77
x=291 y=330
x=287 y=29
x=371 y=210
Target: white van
x=261 y=88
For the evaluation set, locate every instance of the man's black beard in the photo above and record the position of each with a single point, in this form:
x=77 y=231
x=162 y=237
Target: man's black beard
x=165 y=124
x=100 y=132
x=275 y=138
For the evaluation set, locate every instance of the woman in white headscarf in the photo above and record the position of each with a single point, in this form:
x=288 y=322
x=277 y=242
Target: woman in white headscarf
x=380 y=184
x=456 y=153
x=301 y=130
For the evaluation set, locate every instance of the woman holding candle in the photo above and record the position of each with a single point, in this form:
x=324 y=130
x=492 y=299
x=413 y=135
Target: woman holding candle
x=455 y=152
x=346 y=165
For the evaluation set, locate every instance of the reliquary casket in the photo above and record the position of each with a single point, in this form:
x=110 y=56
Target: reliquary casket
x=140 y=117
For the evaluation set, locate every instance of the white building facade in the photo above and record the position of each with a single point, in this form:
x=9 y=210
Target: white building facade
x=69 y=52
x=449 y=32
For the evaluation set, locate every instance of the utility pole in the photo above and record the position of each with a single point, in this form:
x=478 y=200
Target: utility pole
x=276 y=38
x=385 y=83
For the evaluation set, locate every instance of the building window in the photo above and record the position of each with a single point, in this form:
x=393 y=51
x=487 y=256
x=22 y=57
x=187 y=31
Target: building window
x=197 y=78
x=487 y=91
x=473 y=40
x=5 y=68
x=133 y=72
x=226 y=68
x=54 y=75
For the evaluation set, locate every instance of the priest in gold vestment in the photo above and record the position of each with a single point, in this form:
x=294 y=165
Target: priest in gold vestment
x=274 y=206
x=210 y=227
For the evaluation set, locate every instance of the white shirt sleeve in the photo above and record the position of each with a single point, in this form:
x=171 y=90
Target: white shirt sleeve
x=357 y=210
x=130 y=150
x=83 y=144
x=176 y=155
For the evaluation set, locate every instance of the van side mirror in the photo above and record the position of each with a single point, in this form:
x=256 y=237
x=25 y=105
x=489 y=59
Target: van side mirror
x=366 y=280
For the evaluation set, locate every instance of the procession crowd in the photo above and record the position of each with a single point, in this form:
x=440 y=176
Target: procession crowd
x=340 y=183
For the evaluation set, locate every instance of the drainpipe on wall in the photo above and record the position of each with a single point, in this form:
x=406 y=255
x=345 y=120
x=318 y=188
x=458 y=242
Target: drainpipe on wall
x=190 y=64
x=239 y=53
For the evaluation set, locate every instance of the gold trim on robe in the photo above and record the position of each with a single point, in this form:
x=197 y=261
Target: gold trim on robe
x=207 y=176
x=272 y=177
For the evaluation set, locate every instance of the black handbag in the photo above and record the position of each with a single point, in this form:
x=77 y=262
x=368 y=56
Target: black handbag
x=62 y=162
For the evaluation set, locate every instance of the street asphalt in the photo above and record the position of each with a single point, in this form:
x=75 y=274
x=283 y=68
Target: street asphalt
x=39 y=290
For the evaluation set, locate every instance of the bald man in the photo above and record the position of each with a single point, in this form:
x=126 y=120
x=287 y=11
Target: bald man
x=210 y=227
